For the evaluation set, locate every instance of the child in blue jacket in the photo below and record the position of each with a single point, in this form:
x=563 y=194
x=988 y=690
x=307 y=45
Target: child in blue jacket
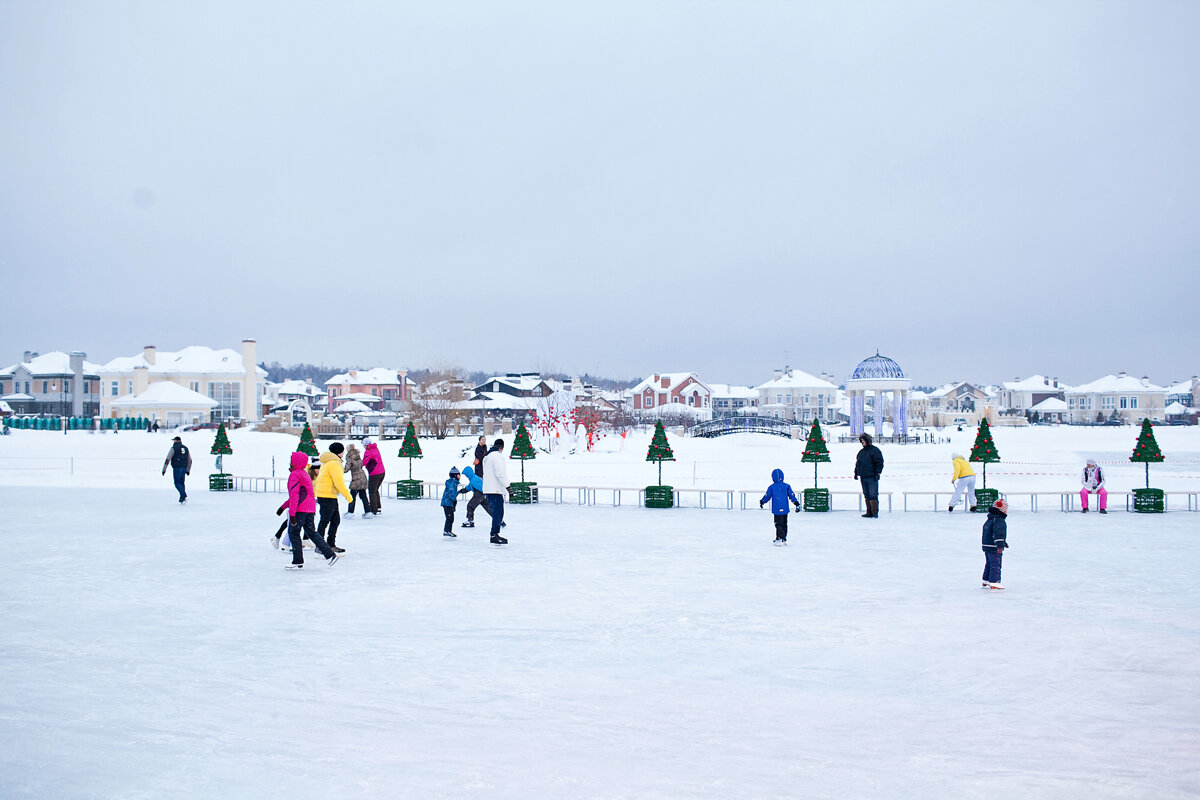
x=779 y=493
x=450 y=501
x=995 y=539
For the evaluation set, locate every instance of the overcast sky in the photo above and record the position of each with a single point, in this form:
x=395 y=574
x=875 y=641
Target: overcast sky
x=978 y=190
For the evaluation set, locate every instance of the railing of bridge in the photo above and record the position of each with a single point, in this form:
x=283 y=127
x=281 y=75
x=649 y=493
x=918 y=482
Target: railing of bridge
x=724 y=426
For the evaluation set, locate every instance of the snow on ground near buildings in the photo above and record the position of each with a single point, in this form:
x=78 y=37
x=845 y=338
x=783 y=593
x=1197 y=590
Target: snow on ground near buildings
x=155 y=650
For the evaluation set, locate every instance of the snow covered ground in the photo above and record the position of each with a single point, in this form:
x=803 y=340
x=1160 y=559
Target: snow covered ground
x=153 y=650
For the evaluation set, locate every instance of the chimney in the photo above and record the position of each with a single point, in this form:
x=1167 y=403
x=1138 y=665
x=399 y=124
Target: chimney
x=250 y=410
x=1145 y=380
x=77 y=383
x=1121 y=374
x=656 y=377
x=27 y=357
x=148 y=354
x=141 y=379
x=778 y=374
x=1056 y=383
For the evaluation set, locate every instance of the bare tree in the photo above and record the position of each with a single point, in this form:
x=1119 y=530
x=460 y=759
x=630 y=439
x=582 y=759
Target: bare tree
x=436 y=402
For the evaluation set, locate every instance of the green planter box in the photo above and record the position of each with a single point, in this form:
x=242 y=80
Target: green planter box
x=220 y=482
x=1148 y=501
x=660 y=497
x=984 y=499
x=816 y=499
x=408 y=490
x=523 y=493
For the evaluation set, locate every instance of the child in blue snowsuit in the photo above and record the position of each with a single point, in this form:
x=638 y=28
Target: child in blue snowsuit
x=779 y=493
x=450 y=501
x=995 y=539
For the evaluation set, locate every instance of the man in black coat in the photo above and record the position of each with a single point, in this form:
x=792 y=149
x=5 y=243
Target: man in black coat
x=179 y=459
x=867 y=469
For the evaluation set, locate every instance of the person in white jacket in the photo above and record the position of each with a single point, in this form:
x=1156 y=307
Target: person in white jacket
x=495 y=487
x=1093 y=481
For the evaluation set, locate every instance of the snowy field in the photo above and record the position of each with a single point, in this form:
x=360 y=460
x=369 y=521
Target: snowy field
x=153 y=650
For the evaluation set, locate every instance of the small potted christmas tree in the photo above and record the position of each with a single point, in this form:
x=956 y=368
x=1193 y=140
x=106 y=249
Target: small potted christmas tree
x=815 y=452
x=984 y=451
x=660 y=450
x=308 y=444
x=523 y=492
x=1147 y=500
x=409 y=489
x=220 y=481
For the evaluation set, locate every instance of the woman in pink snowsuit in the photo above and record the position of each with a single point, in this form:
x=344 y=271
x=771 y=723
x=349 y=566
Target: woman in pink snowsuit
x=373 y=461
x=1093 y=481
x=302 y=509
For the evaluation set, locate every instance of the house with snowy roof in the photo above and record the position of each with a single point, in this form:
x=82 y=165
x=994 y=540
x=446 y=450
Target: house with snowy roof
x=794 y=395
x=729 y=400
x=665 y=392
x=959 y=397
x=213 y=385
x=1185 y=393
x=1116 y=397
x=278 y=395
x=518 y=384
x=55 y=384
x=1020 y=395
x=390 y=388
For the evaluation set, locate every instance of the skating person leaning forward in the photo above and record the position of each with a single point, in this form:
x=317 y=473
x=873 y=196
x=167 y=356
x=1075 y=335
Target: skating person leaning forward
x=779 y=493
x=475 y=483
x=179 y=459
x=868 y=466
x=301 y=507
x=495 y=487
x=964 y=482
x=329 y=484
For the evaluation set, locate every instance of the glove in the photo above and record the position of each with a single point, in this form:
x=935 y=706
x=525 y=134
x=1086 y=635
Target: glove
x=279 y=511
x=760 y=505
x=797 y=505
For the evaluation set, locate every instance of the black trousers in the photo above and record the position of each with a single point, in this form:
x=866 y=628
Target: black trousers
x=449 y=511
x=304 y=520
x=331 y=517
x=355 y=495
x=373 y=484
x=781 y=526
x=477 y=500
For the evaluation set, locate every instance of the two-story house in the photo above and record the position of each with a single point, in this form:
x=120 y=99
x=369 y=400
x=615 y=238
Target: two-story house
x=729 y=400
x=1116 y=397
x=794 y=395
x=672 y=391
x=54 y=384
x=392 y=387
x=1019 y=396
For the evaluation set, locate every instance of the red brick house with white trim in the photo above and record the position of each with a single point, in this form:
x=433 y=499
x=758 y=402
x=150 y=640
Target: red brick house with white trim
x=673 y=391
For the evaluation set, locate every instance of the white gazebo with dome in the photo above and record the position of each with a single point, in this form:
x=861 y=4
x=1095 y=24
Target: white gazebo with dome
x=881 y=375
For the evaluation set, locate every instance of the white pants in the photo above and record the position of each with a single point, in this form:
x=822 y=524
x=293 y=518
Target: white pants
x=964 y=484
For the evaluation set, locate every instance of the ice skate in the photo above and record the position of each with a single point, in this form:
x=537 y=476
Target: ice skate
x=450 y=534
x=499 y=541
x=469 y=524
x=293 y=566
x=997 y=586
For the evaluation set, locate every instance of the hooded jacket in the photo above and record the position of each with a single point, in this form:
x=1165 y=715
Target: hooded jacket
x=779 y=493
x=1093 y=477
x=869 y=462
x=300 y=487
x=329 y=482
x=452 y=491
x=354 y=465
x=473 y=480
x=961 y=468
x=372 y=460
x=495 y=473
x=995 y=530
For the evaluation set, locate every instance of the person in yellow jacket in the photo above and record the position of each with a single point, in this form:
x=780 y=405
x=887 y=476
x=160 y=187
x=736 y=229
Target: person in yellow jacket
x=963 y=480
x=328 y=485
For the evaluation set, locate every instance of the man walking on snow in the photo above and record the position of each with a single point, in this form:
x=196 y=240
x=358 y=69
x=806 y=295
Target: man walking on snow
x=179 y=459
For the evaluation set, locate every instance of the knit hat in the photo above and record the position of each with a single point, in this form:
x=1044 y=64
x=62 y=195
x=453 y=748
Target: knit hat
x=1091 y=462
x=454 y=472
x=955 y=455
x=367 y=441
x=337 y=448
x=1000 y=505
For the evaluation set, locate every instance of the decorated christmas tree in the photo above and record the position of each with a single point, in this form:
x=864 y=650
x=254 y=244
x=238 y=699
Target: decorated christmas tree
x=522 y=448
x=660 y=449
x=308 y=444
x=1146 y=450
x=221 y=446
x=411 y=448
x=815 y=450
x=984 y=449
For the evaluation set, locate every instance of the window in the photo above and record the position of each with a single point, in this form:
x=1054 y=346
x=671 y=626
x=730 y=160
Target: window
x=788 y=401
x=1133 y=402
x=114 y=388
x=130 y=385
x=1124 y=402
x=45 y=387
x=67 y=387
x=228 y=395
x=194 y=386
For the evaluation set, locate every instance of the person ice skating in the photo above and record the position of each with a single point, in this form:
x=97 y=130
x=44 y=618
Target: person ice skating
x=179 y=459
x=329 y=484
x=868 y=466
x=481 y=451
x=450 y=501
x=358 y=481
x=779 y=493
x=964 y=482
x=495 y=485
x=314 y=467
x=1093 y=481
x=373 y=461
x=995 y=539
x=301 y=510
x=478 y=500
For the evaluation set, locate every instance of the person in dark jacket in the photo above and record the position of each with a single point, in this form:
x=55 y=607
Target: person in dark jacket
x=995 y=539
x=779 y=493
x=450 y=501
x=867 y=469
x=475 y=484
x=481 y=451
x=179 y=459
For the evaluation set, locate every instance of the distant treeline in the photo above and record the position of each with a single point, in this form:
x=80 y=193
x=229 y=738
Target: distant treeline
x=319 y=373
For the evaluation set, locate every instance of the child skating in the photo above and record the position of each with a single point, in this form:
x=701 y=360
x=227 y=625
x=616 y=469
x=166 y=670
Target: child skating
x=450 y=501
x=995 y=539
x=779 y=493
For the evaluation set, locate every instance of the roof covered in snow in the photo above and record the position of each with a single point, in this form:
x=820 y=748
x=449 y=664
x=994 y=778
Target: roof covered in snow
x=376 y=376
x=1051 y=405
x=1183 y=387
x=56 y=363
x=730 y=390
x=673 y=380
x=165 y=394
x=795 y=378
x=194 y=360
x=294 y=386
x=1034 y=383
x=1117 y=383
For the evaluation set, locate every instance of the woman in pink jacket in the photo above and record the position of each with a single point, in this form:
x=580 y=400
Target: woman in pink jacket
x=302 y=508
x=373 y=461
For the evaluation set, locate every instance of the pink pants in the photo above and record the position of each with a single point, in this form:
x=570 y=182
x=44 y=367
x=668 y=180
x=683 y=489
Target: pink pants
x=1083 y=498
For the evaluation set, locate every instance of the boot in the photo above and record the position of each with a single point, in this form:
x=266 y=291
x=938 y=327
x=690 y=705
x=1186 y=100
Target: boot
x=874 y=504
x=869 y=514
